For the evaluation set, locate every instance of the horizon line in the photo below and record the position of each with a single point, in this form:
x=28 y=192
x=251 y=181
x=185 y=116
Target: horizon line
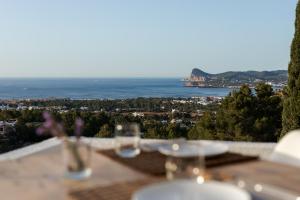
x=87 y=77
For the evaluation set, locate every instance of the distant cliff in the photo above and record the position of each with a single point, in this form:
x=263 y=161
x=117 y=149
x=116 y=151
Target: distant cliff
x=199 y=78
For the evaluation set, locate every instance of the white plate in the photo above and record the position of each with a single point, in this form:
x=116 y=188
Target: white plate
x=152 y=145
x=190 y=190
x=195 y=149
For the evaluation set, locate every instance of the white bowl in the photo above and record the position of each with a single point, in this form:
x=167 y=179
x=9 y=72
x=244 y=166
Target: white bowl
x=191 y=190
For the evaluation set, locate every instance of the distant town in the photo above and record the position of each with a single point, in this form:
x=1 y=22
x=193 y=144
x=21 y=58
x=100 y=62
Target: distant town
x=36 y=104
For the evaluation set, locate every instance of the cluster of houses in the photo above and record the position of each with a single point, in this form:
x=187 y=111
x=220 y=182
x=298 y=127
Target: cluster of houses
x=20 y=107
x=200 y=100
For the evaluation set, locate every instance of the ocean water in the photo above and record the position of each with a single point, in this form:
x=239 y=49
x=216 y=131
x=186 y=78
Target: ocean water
x=100 y=88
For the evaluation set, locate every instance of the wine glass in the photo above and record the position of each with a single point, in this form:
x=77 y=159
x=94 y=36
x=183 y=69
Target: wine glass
x=184 y=160
x=127 y=139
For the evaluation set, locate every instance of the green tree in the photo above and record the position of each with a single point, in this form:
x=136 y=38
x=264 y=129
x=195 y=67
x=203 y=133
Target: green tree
x=174 y=131
x=152 y=133
x=154 y=129
x=105 y=131
x=268 y=111
x=243 y=116
x=236 y=115
x=204 y=129
x=291 y=105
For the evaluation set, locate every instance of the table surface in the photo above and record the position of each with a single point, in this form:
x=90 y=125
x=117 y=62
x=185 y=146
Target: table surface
x=39 y=176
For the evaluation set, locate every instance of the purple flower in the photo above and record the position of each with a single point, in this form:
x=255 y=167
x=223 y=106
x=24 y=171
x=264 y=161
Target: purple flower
x=40 y=130
x=50 y=126
x=78 y=127
x=57 y=129
x=48 y=123
x=47 y=116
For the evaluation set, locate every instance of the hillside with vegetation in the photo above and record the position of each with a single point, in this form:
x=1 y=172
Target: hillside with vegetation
x=200 y=78
x=243 y=115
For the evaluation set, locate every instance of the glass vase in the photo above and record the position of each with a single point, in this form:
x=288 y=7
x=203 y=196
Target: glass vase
x=77 y=159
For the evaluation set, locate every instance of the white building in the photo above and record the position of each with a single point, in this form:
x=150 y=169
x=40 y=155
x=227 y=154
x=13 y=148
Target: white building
x=138 y=114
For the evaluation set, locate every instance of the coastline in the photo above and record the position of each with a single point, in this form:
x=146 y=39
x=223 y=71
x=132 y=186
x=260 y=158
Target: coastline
x=104 y=89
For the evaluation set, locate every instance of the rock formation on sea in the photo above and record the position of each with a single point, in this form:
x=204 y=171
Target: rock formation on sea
x=199 y=78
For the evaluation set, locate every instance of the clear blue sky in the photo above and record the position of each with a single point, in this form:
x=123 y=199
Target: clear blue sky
x=142 y=38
